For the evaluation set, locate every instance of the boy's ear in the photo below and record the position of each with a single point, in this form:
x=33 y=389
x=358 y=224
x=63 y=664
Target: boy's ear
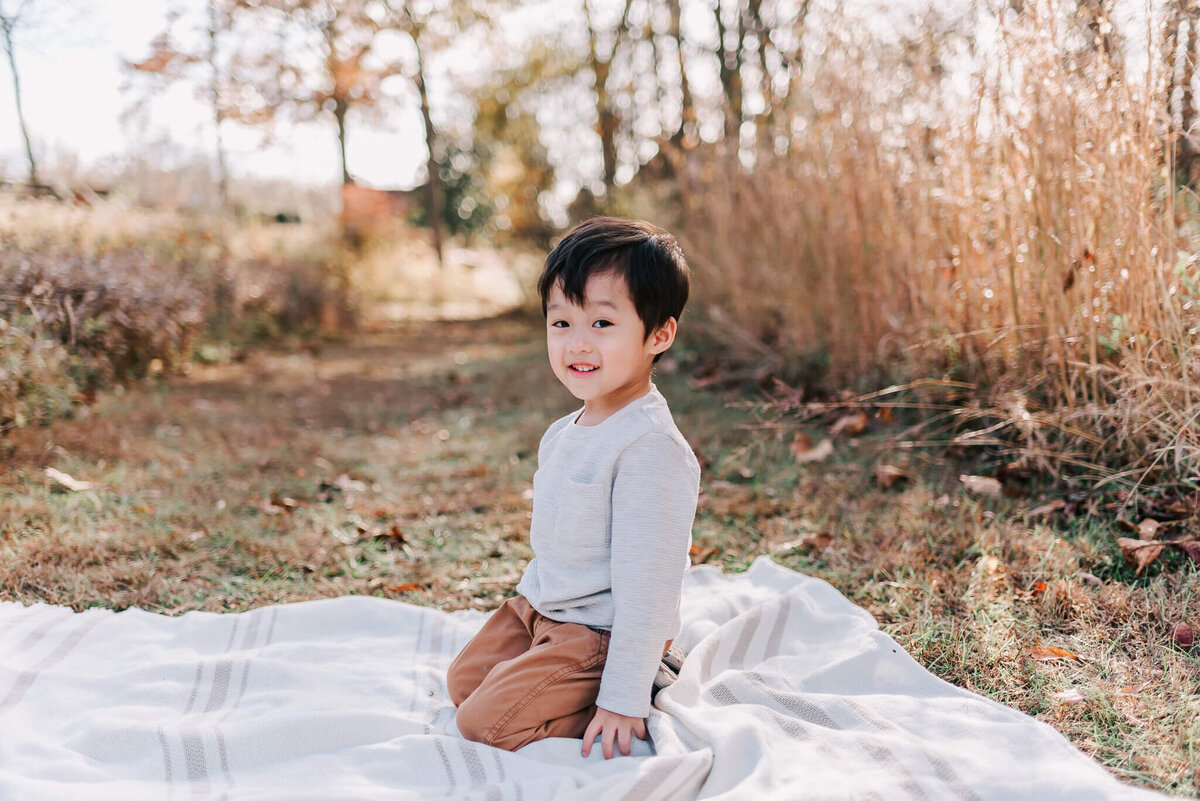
x=663 y=337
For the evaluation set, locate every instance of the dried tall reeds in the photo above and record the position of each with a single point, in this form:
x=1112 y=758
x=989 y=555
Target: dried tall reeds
x=996 y=205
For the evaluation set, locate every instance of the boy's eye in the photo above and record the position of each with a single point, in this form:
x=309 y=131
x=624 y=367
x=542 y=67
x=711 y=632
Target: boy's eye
x=559 y=324
x=601 y=324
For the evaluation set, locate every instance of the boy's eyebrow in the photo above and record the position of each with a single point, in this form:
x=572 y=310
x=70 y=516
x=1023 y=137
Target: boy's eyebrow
x=607 y=303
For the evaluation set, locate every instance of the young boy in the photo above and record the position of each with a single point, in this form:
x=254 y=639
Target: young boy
x=576 y=652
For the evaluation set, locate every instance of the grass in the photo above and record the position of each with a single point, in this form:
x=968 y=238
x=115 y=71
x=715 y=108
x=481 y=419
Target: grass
x=399 y=465
x=1010 y=218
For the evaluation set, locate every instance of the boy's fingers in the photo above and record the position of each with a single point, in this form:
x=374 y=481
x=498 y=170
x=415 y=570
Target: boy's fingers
x=589 y=736
x=639 y=729
x=623 y=740
x=606 y=742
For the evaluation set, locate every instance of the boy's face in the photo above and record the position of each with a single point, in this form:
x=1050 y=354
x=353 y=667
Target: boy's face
x=599 y=351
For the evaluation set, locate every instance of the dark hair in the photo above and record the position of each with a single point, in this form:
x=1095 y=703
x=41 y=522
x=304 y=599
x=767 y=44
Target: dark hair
x=645 y=256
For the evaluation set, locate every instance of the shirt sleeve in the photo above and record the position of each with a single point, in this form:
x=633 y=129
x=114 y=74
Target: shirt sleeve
x=654 y=493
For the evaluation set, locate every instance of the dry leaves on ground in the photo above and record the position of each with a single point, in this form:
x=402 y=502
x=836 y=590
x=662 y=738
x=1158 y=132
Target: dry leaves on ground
x=1071 y=696
x=804 y=451
x=981 y=485
x=65 y=481
x=852 y=424
x=1048 y=652
x=1183 y=635
x=1150 y=544
x=888 y=475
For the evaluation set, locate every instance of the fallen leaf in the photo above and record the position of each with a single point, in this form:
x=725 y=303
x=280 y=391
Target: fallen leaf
x=1139 y=552
x=886 y=414
x=268 y=507
x=1191 y=548
x=813 y=542
x=807 y=452
x=1132 y=689
x=1147 y=529
x=818 y=542
x=1183 y=635
x=66 y=481
x=344 y=537
x=852 y=424
x=703 y=555
x=347 y=484
x=887 y=475
x=399 y=588
x=981 y=485
x=1071 y=696
x=1039 y=587
x=393 y=535
x=1046 y=509
x=1048 y=652
x=1089 y=578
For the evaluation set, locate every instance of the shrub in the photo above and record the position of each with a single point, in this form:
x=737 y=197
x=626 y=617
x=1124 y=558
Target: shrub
x=35 y=386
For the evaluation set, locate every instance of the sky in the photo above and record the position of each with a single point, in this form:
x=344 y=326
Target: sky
x=71 y=80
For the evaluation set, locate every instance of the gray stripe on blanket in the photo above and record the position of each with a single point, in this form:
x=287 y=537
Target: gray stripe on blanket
x=943 y=769
x=222 y=751
x=416 y=651
x=813 y=713
x=436 y=644
x=26 y=678
x=195 y=761
x=495 y=752
x=737 y=657
x=792 y=727
x=470 y=755
x=655 y=779
x=32 y=638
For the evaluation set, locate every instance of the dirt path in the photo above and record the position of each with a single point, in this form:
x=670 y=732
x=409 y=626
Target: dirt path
x=400 y=465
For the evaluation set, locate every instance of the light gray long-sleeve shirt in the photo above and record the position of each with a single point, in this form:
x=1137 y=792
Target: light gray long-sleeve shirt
x=613 y=507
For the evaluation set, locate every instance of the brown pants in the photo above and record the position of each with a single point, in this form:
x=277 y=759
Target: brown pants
x=525 y=677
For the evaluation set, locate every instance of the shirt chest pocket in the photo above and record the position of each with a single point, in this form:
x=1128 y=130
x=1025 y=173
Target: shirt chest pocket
x=581 y=522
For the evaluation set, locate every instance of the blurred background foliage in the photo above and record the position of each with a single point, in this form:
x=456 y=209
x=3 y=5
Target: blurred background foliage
x=999 y=195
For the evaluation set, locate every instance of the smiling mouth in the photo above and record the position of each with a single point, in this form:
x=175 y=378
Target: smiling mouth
x=582 y=369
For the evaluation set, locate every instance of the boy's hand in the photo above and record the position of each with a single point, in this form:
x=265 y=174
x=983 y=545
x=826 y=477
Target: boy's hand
x=610 y=725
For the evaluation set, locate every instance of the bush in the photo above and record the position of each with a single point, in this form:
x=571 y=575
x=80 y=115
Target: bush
x=118 y=313
x=35 y=386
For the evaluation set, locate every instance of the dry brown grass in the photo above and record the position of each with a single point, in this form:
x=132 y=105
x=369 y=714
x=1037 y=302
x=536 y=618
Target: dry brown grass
x=1012 y=224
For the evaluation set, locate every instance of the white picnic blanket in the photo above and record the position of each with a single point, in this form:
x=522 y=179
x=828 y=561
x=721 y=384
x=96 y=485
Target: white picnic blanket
x=790 y=692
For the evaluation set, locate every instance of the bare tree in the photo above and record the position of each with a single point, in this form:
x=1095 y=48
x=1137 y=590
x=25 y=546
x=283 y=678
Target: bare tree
x=13 y=18
x=195 y=57
x=601 y=63
x=310 y=60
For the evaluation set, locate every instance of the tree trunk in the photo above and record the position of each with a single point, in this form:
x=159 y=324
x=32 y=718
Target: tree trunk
x=730 y=69
x=12 y=65
x=687 y=111
x=215 y=99
x=1187 y=149
x=433 y=184
x=752 y=22
x=340 y=107
x=606 y=118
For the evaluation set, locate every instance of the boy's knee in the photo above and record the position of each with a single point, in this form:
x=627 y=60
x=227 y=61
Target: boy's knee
x=457 y=685
x=475 y=723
